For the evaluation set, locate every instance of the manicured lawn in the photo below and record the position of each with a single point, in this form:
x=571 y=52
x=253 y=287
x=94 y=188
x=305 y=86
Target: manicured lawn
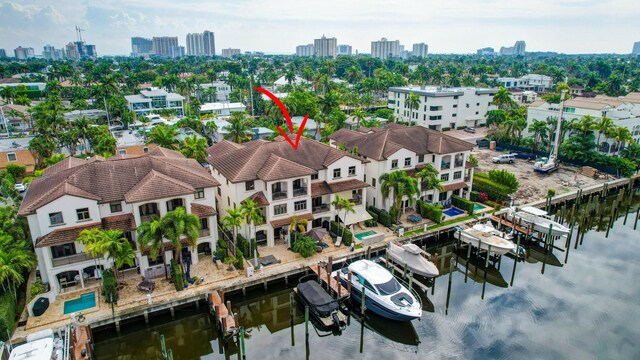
x=418 y=231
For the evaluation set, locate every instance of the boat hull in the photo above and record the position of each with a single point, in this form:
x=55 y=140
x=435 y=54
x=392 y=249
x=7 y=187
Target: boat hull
x=484 y=246
x=377 y=308
x=417 y=264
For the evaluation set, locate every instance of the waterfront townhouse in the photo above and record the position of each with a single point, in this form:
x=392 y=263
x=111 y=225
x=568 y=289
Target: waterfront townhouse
x=152 y=100
x=442 y=108
x=117 y=193
x=287 y=183
x=398 y=147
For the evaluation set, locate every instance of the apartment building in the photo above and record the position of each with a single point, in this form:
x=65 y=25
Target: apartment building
x=222 y=91
x=118 y=193
x=22 y=53
x=344 y=49
x=409 y=148
x=385 y=49
x=442 y=108
x=164 y=45
x=287 y=183
x=517 y=49
x=141 y=46
x=420 y=50
x=154 y=99
x=531 y=82
x=305 y=50
x=325 y=47
x=636 y=48
x=201 y=44
x=222 y=109
x=487 y=51
x=227 y=53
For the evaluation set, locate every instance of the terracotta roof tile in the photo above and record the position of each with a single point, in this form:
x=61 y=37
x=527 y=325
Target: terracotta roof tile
x=347 y=185
x=64 y=236
x=259 y=198
x=156 y=186
x=286 y=221
x=320 y=188
x=201 y=211
x=124 y=222
x=65 y=164
x=454 y=186
x=277 y=168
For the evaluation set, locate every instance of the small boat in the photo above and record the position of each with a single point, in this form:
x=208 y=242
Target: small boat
x=384 y=294
x=539 y=218
x=39 y=346
x=414 y=258
x=483 y=236
x=488 y=227
x=322 y=306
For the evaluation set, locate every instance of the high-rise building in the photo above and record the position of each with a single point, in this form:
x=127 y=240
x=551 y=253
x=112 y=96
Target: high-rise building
x=385 y=49
x=141 y=46
x=230 y=52
x=177 y=51
x=420 y=50
x=517 y=49
x=49 y=52
x=486 y=51
x=201 y=44
x=305 y=50
x=162 y=45
x=636 y=48
x=344 y=49
x=325 y=47
x=3 y=53
x=24 y=53
x=71 y=51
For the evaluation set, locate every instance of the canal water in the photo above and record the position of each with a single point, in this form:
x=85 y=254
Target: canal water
x=580 y=304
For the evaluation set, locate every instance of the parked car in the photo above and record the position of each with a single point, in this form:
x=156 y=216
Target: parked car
x=20 y=187
x=506 y=158
x=470 y=130
x=525 y=156
x=483 y=143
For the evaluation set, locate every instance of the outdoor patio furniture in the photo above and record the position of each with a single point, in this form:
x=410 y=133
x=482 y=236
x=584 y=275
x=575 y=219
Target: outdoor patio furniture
x=146 y=286
x=317 y=234
x=414 y=218
x=268 y=260
x=40 y=306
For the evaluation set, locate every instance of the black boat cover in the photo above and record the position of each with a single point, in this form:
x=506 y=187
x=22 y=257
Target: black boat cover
x=317 y=298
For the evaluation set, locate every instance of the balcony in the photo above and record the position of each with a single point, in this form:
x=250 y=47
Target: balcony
x=356 y=201
x=279 y=195
x=300 y=191
x=445 y=165
x=467 y=178
x=71 y=259
x=320 y=208
x=205 y=232
x=458 y=163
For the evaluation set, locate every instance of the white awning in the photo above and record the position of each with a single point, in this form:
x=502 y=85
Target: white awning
x=360 y=215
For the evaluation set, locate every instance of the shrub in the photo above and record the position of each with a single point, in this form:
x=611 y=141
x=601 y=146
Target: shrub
x=36 y=289
x=304 y=246
x=493 y=204
x=473 y=160
x=240 y=260
x=462 y=203
x=393 y=212
x=474 y=195
x=383 y=217
x=176 y=274
x=461 y=127
x=109 y=286
x=221 y=250
x=348 y=236
x=7 y=314
x=446 y=129
x=505 y=178
x=17 y=171
x=373 y=214
x=482 y=197
x=431 y=212
x=495 y=191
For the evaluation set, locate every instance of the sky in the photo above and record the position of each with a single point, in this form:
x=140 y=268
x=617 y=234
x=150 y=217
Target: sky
x=277 y=26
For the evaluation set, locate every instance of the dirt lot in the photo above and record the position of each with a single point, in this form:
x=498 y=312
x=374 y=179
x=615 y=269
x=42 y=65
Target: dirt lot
x=533 y=186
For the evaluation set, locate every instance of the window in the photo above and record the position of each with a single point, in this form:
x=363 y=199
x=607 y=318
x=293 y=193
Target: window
x=58 y=251
x=454 y=115
x=394 y=164
x=149 y=209
x=373 y=182
x=249 y=185
x=83 y=214
x=444 y=177
x=115 y=207
x=219 y=192
x=145 y=149
x=352 y=171
x=433 y=158
x=204 y=224
x=280 y=209
x=228 y=201
x=314 y=176
x=477 y=104
x=457 y=175
x=407 y=162
x=365 y=177
x=477 y=113
x=336 y=173
x=420 y=158
x=300 y=205
x=455 y=106
x=442 y=196
x=122 y=152
x=435 y=117
x=173 y=204
x=11 y=157
x=199 y=194
x=455 y=97
x=467 y=105
x=435 y=108
x=56 y=218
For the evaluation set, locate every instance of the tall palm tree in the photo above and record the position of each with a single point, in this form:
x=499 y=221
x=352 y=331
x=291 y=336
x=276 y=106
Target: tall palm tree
x=604 y=126
x=16 y=259
x=179 y=223
x=346 y=205
x=151 y=237
x=621 y=135
x=502 y=99
x=164 y=136
x=585 y=125
x=252 y=215
x=359 y=115
x=233 y=220
x=82 y=125
x=195 y=147
x=538 y=128
x=429 y=179
x=413 y=101
x=399 y=184
x=297 y=226
x=239 y=130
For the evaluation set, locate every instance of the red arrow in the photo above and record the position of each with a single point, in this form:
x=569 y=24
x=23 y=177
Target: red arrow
x=288 y=117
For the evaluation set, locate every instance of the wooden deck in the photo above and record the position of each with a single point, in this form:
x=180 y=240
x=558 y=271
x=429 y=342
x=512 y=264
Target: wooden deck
x=516 y=225
x=325 y=278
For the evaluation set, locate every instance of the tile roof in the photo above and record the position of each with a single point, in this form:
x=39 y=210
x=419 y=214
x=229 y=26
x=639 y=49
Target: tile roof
x=201 y=211
x=320 y=188
x=259 y=198
x=271 y=160
x=347 y=185
x=110 y=180
x=286 y=221
x=64 y=236
x=381 y=144
x=454 y=186
x=124 y=222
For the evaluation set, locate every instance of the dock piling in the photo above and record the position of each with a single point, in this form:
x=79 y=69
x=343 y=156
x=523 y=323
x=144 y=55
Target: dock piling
x=363 y=307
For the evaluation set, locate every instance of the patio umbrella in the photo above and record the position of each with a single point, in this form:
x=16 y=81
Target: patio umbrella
x=317 y=234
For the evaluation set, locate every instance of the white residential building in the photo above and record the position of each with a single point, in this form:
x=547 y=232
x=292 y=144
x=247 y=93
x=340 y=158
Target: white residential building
x=259 y=133
x=532 y=82
x=227 y=53
x=118 y=194
x=305 y=50
x=636 y=48
x=398 y=147
x=222 y=91
x=201 y=44
x=287 y=183
x=420 y=50
x=22 y=53
x=486 y=51
x=223 y=109
x=154 y=99
x=344 y=49
x=517 y=49
x=325 y=47
x=442 y=108
x=282 y=81
x=385 y=49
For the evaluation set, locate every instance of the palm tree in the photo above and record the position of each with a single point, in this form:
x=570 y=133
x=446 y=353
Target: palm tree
x=538 y=128
x=82 y=126
x=413 y=101
x=429 y=179
x=179 y=223
x=16 y=258
x=586 y=124
x=297 y=226
x=400 y=184
x=252 y=215
x=347 y=206
x=164 y=136
x=359 y=115
x=8 y=93
x=195 y=147
x=233 y=220
x=604 y=126
x=239 y=130
x=502 y=99
x=621 y=136
x=151 y=236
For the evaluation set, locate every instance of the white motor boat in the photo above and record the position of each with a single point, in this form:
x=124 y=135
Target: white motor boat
x=539 y=218
x=414 y=258
x=39 y=346
x=483 y=237
x=384 y=294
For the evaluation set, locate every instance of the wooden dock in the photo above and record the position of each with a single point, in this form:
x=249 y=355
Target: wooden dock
x=516 y=225
x=222 y=313
x=324 y=274
x=81 y=342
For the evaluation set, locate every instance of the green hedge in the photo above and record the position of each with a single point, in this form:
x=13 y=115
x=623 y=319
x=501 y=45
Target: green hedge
x=247 y=247
x=31 y=94
x=493 y=204
x=176 y=274
x=221 y=250
x=7 y=315
x=446 y=129
x=36 y=289
x=462 y=203
x=431 y=212
x=495 y=191
x=239 y=260
x=373 y=214
x=383 y=217
x=347 y=239
x=474 y=195
x=109 y=286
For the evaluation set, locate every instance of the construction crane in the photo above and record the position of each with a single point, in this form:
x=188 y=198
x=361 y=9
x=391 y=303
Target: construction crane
x=79 y=33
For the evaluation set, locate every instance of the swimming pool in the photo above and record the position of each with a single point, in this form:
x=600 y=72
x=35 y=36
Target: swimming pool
x=477 y=207
x=453 y=211
x=85 y=301
x=365 y=234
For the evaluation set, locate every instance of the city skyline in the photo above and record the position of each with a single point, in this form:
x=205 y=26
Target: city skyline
x=457 y=26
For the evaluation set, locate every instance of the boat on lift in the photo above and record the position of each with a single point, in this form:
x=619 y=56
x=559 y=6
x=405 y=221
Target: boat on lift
x=482 y=236
x=322 y=306
x=416 y=260
x=540 y=219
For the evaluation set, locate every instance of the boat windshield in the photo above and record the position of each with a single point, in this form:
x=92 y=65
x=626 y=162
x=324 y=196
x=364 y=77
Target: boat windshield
x=390 y=287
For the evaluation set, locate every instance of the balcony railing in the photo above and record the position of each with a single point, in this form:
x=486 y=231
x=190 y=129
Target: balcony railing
x=356 y=201
x=71 y=259
x=300 y=191
x=279 y=195
x=320 y=208
x=459 y=163
x=205 y=232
